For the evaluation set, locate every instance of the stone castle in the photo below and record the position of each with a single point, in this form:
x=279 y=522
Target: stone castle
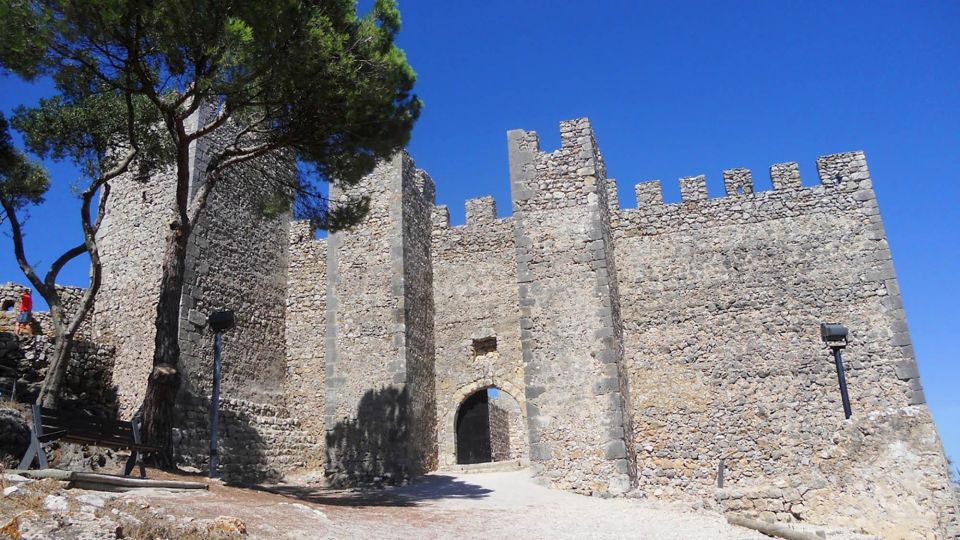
x=611 y=349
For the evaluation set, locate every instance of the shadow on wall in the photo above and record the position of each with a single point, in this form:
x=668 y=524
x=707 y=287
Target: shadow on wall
x=371 y=448
x=242 y=452
x=88 y=384
x=427 y=488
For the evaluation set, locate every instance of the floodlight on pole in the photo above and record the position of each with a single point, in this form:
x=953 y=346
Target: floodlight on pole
x=835 y=337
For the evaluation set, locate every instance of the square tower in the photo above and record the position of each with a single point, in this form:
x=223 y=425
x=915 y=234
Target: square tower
x=380 y=413
x=571 y=334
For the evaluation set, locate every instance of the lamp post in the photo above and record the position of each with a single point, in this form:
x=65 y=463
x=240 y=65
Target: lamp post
x=835 y=336
x=220 y=322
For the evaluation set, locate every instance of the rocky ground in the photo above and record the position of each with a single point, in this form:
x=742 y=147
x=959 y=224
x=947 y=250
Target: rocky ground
x=489 y=506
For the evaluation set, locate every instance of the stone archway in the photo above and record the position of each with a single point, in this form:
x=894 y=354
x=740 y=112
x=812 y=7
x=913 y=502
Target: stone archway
x=503 y=427
x=472 y=429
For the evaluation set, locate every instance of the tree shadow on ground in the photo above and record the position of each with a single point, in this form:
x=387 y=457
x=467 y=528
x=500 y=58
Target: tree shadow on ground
x=426 y=488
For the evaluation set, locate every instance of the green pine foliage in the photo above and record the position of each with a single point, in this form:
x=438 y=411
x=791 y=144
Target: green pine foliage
x=22 y=182
x=308 y=77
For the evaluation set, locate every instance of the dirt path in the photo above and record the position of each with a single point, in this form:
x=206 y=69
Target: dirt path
x=488 y=506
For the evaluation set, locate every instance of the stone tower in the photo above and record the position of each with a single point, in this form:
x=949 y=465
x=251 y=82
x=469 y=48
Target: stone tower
x=236 y=259
x=380 y=412
x=576 y=386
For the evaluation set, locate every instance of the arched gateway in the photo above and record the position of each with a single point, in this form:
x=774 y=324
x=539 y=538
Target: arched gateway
x=488 y=426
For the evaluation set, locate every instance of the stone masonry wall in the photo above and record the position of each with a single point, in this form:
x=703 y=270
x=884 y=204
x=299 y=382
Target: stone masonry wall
x=575 y=384
x=237 y=259
x=372 y=413
x=722 y=301
x=477 y=315
x=508 y=429
x=42 y=321
x=24 y=361
x=639 y=345
x=419 y=346
x=499 y=422
x=305 y=332
x=131 y=240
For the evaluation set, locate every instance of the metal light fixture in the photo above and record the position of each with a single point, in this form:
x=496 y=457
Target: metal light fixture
x=835 y=337
x=220 y=322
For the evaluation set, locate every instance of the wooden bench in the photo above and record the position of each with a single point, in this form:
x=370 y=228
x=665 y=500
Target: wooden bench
x=55 y=425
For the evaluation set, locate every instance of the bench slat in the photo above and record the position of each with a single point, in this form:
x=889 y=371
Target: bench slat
x=69 y=426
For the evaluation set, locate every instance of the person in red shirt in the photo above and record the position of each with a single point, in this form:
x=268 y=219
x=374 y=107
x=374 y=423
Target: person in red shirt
x=24 y=318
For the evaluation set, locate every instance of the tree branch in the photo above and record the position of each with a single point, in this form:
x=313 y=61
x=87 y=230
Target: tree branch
x=18 y=249
x=90 y=242
x=62 y=260
x=221 y=119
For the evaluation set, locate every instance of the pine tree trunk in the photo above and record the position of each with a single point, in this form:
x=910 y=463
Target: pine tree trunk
x=159 y=402
x=56 y=372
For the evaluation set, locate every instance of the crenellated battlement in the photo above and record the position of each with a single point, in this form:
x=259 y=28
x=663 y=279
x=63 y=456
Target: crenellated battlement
x=785 y=175
x=480 y=212
x=567 y=176
x=844 y=170
x=845 y=186
x=693 y=188
x=571 y=175
x=737 y=182
x=440 y=216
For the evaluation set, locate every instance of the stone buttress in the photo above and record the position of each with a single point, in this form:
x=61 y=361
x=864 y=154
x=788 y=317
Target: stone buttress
x=576 y=387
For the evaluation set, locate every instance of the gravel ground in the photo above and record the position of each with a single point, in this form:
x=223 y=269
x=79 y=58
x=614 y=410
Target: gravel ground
x=488 y=506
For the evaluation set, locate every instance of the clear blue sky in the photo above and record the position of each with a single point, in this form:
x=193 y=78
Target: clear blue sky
x=689 y=88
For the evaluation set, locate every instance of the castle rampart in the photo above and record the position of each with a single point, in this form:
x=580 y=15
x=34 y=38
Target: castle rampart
x=722 y=299
x=635 y=348
x=477 y=320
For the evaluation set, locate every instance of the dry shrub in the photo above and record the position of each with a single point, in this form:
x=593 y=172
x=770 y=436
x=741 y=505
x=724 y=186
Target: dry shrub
x=142 y=524
x=30 y=496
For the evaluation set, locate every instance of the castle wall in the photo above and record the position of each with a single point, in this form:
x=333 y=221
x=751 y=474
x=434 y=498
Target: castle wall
x=306 y=310
x=419 y=314
x=722 y=301
x=576 y=390
x=43 y=320
x=640 y=345
x=237 y=259
x=131 y=241
x=508 y=429
x=477 y=317
x=24 y=361
x=378 y=367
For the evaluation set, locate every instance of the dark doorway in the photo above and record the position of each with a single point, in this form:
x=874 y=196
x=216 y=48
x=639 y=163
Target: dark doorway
x=473 y=429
